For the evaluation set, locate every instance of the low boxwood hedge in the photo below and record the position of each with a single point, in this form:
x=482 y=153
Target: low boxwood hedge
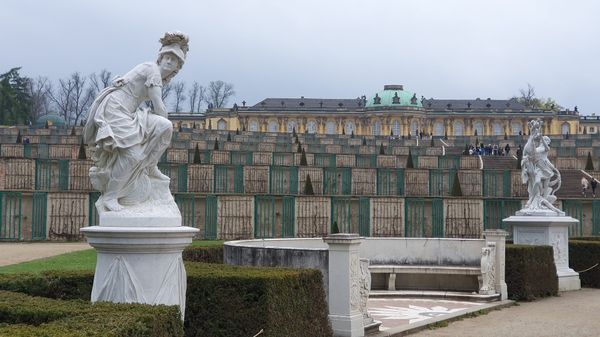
x=222 y=300
x=584 y=257
x=22 y=315
x=210 y=254
x=530 y=272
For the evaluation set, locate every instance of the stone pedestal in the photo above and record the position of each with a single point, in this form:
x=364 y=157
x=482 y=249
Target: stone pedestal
x=344 y=285
x=137 y=263
x=551 y=231
x=498 y=237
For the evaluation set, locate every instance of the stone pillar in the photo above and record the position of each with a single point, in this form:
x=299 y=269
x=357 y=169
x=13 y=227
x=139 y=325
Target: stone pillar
x=344 y=285
x=550 y=231
x=498 y=237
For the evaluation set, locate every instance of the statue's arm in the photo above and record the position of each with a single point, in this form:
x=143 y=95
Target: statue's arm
x=155 y=94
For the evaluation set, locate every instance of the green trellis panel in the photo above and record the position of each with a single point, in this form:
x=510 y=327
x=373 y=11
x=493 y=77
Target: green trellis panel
x=334 y=178
x=27 y=153
x=187 y=206
x=182 y=175
x=390 y=181
x=340 y=213
x=596 y=217
x=283 y=180
x=448 y=162
x=496 y=183
x=414 y=217
x=324 y=159
x=437 y=218
x=63 y=175
x=364 y=216
x=495 y=210
x=436 y=183
x=42 y=151
x=264 y=217
x=241 y=158
x=39 y=215
x=574 y=208
x=93 y=218
x=10 y=215
x=366 y=160
x=288 y=217
x=210 y=218
x=225 y=175
x=43 y=170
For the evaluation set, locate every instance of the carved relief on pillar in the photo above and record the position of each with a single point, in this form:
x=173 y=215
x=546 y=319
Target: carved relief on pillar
x=488 y=269
x=365 y=289
x=355 y=283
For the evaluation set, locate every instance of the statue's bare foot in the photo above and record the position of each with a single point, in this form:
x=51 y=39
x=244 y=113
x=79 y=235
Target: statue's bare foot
x=113 y=205
x=153 y=171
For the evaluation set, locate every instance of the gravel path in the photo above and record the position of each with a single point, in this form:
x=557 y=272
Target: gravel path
x=11 y=253
x=574 y=313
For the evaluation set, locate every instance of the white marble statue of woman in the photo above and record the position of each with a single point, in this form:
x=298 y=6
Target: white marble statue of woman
x=541 y=177
x=128 y=141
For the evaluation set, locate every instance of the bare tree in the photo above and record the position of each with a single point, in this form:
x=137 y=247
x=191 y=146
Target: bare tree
x=101 y=80
x=73 y=98
x=40 y=90
x=528 y=96
x=219 y=92
x=178 y=90
x=196 y=97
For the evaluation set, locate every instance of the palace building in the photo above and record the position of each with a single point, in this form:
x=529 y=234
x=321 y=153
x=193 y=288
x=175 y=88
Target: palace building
x=393 y=111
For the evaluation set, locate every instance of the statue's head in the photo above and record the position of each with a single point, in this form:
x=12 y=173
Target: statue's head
x=175 y=47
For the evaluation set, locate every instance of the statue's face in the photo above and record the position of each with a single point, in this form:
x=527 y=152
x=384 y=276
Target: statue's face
x=168 y=63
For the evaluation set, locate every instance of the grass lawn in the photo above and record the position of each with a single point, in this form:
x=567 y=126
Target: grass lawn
x=80 y=260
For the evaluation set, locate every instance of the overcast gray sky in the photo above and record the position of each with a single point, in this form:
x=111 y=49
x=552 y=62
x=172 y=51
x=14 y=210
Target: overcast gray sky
x=325 y=49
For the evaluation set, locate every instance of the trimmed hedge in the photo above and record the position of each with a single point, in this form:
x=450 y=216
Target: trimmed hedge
x=211 y=254
x=222 y=300
x=584 y=253
x=530 y=272
x=26 y=316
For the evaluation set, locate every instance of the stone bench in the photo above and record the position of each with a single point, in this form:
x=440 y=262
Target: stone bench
x=393 y=270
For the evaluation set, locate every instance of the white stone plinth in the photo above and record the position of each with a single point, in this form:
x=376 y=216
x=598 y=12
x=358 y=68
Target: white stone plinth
x=498 y=238
x=344 y=285
x=551 y=231
x=140 y=264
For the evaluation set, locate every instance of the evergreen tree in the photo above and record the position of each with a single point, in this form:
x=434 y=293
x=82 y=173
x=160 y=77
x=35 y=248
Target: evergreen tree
x=343 y=131
x=81 y=155
x=381 y=149
x=456 y=189
x=335 y=229
x=294 y=132
x=237 y=131
x=475 y=132
x=228 y=136
x=308 y=187
x=299 y=148
x=303 y=161
x=589 y=165
x=19 y=138
x=432 y=142
x=364 y=141
x=409 y=160
x=15 y=98
x=216 y=144
x=180 y=128
x=352 y=134
x=197 y=155
x=445 y=135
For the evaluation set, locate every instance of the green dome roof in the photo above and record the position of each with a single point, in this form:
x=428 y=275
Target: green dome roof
x=393 y=95
x=54 y=119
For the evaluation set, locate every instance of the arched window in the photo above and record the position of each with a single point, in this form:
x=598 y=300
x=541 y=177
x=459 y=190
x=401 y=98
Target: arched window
x=311 y=126
x=330 y=128
x=396 y=128
x=349 y=127
x=459 y=128
x=497 y=127
x=478 y=126
x=377 y=128
x=222 y=124
x=516 y=128
x=291 y=125
x=414 y=128
x=564 y=129
x=253 y=126
x=273 y=126
x=438 y=128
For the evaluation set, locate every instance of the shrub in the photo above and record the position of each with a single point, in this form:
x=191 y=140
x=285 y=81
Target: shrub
x=456 y=189
x=381 y=149
x=216 y=147
x=81 y=155
x=213 y=254
x=54 y=284
x=584 y=254
x=530 y=272
x=409 y=160
x=303 y=161
x=225 y=300
x=26 y=316
x=197 y=155
x=308 y=187
x=589 y=164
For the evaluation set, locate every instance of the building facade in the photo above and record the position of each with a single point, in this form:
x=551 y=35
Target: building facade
x=392 y=111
